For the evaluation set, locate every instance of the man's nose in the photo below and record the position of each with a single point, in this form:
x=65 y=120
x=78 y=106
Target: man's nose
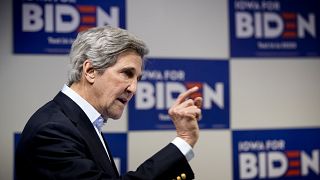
x=132 y=88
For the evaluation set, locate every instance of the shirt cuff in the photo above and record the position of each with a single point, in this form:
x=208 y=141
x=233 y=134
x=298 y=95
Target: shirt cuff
x=184 y=147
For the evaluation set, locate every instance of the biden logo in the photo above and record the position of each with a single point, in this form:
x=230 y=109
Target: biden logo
x=52 y=25
x=266 y=20
x=66 y=18
x=161 y=95
x=277 y=154
x=164 y=79
x=276 y=163
x=274 y=28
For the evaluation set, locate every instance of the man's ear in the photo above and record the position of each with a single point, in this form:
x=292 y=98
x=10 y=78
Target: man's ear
x=88 y=71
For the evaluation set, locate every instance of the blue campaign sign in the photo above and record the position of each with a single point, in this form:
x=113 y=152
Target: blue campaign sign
x=290 y=154
x=278 y=28
x=117 y=143
x=164 y=79
x=118 y=146
x=50 y=27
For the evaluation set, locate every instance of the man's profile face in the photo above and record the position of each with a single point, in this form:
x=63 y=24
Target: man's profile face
x=117 y=84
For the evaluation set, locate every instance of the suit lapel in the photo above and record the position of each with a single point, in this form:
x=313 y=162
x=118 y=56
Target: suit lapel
x=86 y=129
x=110 y=155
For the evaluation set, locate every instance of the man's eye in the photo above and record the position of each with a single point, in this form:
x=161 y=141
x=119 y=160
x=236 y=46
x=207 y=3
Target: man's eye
x=129 y=73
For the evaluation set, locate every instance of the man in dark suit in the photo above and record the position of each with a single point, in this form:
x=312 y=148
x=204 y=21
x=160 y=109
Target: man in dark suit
x=63 y=140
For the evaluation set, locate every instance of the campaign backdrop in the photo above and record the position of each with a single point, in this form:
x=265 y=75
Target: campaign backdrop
x=256 y=63
x=164 y=79
x=278 y=28
x=276 y=154
x=50 y=27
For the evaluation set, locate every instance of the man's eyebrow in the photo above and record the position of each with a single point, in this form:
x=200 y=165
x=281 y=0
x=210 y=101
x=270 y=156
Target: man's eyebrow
x=132 y=69
x=128 y=69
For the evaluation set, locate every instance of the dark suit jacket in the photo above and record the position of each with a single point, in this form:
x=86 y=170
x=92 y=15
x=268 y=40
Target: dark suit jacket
x=60 y=142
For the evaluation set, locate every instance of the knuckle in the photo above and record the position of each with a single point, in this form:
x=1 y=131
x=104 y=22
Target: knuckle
x=173 y=111
x=190 y=101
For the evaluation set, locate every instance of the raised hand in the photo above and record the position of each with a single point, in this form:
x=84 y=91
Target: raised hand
x=185 y=114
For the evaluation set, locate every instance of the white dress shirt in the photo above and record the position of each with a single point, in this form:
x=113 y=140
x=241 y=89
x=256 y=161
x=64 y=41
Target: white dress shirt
x=93 y=115
x=88 y=109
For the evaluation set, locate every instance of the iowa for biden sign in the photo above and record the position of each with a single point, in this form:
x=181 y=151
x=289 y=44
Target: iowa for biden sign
x=274 y=28
x=164 y=79
x=50 y=26
x=277 y=154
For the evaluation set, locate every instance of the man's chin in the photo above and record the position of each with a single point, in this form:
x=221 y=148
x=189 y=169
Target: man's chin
x=114 y=112
x=115 y=116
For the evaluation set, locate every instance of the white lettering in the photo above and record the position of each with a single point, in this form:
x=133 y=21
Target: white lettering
x=60 y=41
x=69 y=11
x=251 y=146
x=144 y=96
x=31 y=18
x=160 y=95
x=48 y=16
x=174 y=75
x=267 y=25
x=277 y=45
x=277 y=158
x=210 y=96
x=262 y=165
x=105 y=19
x=275 y=145
x=164 y=117
x=151 y=75
x=310 y=163
x=246 y=5
x=163 y=94
x=248 y=166
x=273 y=25
x=244 y=25
x=304 y=26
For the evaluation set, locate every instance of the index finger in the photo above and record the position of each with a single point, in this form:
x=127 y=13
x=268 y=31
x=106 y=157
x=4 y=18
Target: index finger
x=183 y=96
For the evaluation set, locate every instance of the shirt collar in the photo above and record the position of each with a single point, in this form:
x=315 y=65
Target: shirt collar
x=88 y=109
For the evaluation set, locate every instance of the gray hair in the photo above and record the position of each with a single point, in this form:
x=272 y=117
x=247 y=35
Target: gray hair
x=102 y=45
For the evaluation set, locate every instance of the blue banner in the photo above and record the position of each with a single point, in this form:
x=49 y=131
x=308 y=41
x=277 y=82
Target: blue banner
x=118 y=143
x=277 y=28
x=291 y=154
x=164 y=79
x=50 y=27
